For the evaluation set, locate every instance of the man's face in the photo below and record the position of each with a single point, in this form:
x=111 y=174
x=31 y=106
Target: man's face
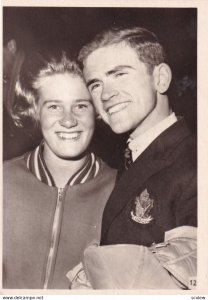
x=66 y=115
x=122 y=90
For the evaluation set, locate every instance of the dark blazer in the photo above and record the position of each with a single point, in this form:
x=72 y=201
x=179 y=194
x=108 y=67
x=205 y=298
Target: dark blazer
x=157 y=193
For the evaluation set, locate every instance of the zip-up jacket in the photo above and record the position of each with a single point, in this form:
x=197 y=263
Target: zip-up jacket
x=46 y=229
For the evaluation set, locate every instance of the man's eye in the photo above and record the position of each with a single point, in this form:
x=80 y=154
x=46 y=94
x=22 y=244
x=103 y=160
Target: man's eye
x=94 y=86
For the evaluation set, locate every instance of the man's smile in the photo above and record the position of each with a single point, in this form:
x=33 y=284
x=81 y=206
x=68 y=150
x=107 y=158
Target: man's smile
x=117 y=107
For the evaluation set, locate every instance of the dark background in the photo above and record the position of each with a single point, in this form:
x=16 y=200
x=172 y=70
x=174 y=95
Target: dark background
x=58 y=27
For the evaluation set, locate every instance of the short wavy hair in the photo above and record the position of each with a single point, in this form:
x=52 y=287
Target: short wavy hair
x=35 y=67
x=144 y=42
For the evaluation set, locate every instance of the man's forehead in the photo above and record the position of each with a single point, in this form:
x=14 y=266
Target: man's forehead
x=110 y=56
x=111 y=49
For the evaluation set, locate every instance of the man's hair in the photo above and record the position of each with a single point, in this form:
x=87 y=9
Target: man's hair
x=143 y=41
x=34 y=69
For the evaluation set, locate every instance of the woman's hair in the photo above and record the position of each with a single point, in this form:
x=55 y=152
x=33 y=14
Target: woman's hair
x=143 y=41
x=35 y=67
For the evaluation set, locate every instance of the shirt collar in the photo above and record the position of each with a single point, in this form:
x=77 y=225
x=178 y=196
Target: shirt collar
x=36 y=164
x=141 y=142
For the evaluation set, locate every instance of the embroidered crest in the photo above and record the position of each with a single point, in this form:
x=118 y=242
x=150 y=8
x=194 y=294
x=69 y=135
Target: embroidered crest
x=144 y=204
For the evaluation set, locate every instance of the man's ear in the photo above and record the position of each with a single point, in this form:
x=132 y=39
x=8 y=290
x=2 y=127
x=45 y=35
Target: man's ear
x=162 y=77
x=12 y=46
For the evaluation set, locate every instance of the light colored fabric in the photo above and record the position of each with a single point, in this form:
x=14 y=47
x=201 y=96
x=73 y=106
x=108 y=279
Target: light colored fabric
x=78 y=279
x=124 y=267
x=167 y=265
x=182 y=231
x=141 y=142
x=179 y=255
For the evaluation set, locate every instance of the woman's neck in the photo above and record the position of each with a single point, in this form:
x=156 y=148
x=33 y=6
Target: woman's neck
x=62 y=169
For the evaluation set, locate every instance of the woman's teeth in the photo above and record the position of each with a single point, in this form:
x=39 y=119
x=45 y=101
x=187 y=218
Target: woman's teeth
x=68 y=135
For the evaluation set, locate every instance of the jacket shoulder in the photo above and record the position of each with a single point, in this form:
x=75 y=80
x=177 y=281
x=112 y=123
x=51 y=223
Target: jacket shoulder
x=13 y=163
x=106 y=173
x=185 y=153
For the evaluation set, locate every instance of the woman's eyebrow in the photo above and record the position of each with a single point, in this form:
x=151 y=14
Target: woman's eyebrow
x=51 y=101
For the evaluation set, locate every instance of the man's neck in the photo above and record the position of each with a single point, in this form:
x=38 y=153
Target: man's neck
x=142 y=141
x=160 y=112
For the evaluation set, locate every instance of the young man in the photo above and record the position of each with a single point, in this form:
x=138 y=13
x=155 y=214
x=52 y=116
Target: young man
x=154 y=199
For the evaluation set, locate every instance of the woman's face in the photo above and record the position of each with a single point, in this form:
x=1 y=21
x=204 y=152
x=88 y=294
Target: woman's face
x=66 y=115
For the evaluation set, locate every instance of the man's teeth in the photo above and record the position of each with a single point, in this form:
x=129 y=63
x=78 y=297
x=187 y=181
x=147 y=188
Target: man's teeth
x=117 y=107
x=68 y=135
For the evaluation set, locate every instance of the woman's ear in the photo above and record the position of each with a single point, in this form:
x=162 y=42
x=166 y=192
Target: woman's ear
x=12 y=46
x=162 y=77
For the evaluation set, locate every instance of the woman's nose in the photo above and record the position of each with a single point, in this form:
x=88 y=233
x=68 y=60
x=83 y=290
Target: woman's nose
x=68 y=120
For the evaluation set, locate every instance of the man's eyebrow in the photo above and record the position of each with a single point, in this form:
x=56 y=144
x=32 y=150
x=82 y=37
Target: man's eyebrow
x=91 y=81
x=110 y=72
x=83 y=100
x=118 y=68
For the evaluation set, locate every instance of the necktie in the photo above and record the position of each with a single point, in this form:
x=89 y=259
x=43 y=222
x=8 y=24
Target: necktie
x=127 y=157
x=125 y=163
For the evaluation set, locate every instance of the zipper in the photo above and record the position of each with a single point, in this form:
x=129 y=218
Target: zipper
x=56 y=228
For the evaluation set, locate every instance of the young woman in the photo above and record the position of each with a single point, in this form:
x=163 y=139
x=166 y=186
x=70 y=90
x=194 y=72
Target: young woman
x=54 y=196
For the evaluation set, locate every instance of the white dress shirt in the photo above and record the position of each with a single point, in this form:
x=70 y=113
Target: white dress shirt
x=141 y=142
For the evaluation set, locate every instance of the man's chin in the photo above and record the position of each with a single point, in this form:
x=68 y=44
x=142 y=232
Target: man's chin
x=119 y=129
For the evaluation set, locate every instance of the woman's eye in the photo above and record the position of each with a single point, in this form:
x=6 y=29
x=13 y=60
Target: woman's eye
x=82 y=107
x=54 y=107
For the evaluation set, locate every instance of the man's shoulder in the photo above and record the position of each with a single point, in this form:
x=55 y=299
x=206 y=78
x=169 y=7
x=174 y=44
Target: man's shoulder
x=177 y=142
x=185 y=152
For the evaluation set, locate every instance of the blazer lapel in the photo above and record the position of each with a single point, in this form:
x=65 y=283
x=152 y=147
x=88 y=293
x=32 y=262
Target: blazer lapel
x=142 y=169
x=151 y=161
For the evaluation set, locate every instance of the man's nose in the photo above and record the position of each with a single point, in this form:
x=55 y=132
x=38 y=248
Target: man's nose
x=108 y=92
x=68 y=120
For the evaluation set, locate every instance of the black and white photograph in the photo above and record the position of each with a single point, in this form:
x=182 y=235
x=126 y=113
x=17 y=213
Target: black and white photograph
x=100 y=149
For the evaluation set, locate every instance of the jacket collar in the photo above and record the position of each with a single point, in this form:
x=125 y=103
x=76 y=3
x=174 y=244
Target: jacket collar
x=35 y=162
